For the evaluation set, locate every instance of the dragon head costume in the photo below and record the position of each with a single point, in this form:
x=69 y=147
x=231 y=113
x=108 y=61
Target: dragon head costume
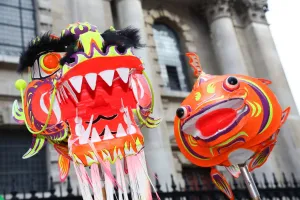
x=228 y=120
x=88 y=95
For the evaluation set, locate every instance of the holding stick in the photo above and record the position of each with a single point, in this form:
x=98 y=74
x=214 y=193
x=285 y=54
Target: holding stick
x=254 y=194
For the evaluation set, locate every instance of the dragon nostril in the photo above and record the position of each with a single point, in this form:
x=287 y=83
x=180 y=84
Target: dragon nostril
x=181 y=112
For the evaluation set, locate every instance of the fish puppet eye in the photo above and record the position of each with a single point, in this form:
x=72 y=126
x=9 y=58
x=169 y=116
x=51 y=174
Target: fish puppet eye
x=231 y=83
x=182 y=112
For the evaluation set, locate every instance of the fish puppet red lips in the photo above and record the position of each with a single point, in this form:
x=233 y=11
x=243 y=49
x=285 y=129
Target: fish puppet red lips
x=228 y=120
x=87 y=96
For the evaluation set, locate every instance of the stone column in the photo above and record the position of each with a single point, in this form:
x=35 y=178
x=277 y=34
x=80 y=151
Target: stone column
x=224 y=39
x=157 y=145
x=266 y=64
x=89 y=11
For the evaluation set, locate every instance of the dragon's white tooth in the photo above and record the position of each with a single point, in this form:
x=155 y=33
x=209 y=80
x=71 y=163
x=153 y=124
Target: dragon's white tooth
x=134 y=89
x=83 y=139
x=107 y=134
x=91 y=79
x=78 y=129
x=123 y=73
x=126 y=150
x=106 y=156
x=42 y=103
x=93 y=156
x=68 y=87
x=107 y=76
x=77 y=159
x=120 y=155
x=76 y=81
x=58 y=96
x=120 y=131
x=95 y=136
x=63 y=94
x=56 y=110
x=131 y=150
x=132 y=129
x=141 y=88
x=90 y=160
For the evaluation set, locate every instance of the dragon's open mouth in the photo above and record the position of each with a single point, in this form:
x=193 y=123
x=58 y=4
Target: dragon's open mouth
x=215 y=120
x=97 y=103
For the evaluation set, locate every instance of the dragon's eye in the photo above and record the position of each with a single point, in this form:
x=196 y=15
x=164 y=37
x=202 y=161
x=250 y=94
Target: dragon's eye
x=50 y=62
x=182 y=112
x=46 y=65
x=231 y=83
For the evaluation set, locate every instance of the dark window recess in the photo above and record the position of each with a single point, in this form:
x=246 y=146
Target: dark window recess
x=174 y=83
x=17 y=25
x=14 y=144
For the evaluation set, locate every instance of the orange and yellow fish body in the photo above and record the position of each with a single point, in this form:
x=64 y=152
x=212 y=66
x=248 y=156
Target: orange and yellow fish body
x=228 y=120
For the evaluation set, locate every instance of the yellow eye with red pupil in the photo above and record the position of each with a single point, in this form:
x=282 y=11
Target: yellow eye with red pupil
x=50 y=62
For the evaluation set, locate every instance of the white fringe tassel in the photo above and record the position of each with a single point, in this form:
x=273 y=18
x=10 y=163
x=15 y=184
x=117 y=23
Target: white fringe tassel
x=96 y=182
x=139 y=182
x=121 y=181
x=83 y=183
x=109 y=187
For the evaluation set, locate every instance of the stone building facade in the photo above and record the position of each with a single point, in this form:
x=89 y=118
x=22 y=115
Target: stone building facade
x=229 y=37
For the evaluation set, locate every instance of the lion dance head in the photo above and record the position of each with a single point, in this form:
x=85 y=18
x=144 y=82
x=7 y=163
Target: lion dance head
x=88 y=95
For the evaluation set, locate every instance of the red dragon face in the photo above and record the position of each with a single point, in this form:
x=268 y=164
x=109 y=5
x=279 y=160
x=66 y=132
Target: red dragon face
x=84 y=91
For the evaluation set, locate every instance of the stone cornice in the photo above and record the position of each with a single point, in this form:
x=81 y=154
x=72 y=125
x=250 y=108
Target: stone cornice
x=215 y=9
x=256 y=10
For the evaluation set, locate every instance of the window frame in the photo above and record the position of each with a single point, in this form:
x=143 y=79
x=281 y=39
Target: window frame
x=21 y=26
x=181 y=57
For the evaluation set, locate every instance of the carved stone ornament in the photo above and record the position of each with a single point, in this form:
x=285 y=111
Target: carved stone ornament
x=256 y=10
x=217 y=9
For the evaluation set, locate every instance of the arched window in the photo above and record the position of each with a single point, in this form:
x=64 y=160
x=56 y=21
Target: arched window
x=169 y=57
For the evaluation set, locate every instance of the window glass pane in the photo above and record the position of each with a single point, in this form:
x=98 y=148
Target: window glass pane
x=9 y=15
x=8 y=50
x=28 y=34
x=174 y=83
x=167 y=47
x=14 y=33
x=10 y=2
x=10 y=35
x=13 y=144
x=26 y=4
x=28 y=18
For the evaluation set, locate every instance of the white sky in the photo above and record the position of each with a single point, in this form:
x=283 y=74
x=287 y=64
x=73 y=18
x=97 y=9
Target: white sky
x=284 y=16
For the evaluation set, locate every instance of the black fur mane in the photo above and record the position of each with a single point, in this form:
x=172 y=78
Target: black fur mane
x=126 y=38
x=46 y=43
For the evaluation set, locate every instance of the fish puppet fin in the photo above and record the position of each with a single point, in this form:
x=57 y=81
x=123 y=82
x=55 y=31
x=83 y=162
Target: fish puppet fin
x=221 y=183
x=265 y=81
x=64 y=167
x=285 y=115
x=195 y=63
x=234 y=170
x=261 y=157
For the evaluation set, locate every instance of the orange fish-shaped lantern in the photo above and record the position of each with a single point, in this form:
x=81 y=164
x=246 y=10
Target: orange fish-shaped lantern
x=228 y=120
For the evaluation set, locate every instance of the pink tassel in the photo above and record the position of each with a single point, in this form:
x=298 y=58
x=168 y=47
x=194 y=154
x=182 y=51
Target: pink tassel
x=83 y=184
x=121 y=180
x=142 y=159
x=96 y=182
x=109 y=187
x=85 y=175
